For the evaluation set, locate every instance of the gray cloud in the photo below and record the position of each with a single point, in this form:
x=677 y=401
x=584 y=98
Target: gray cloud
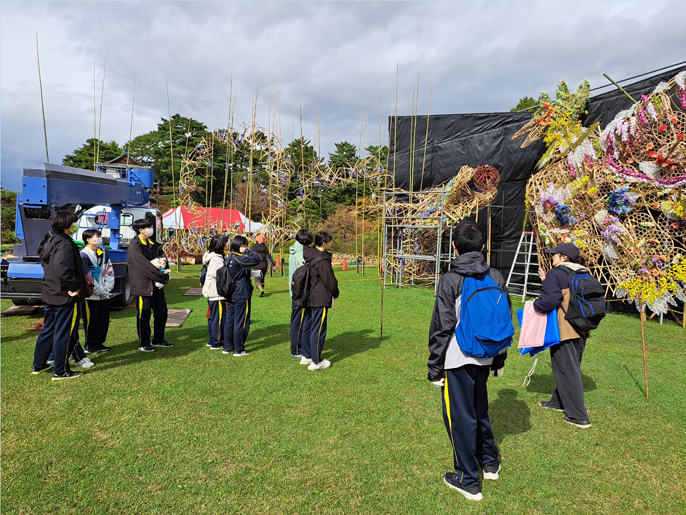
x=331 y=58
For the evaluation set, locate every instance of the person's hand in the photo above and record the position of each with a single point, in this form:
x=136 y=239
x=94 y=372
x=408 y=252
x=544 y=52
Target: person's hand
x=541 y=274
x=242 y=249
x=274 y=268
x=498 y=364
x=439 y=384
x=73 y=293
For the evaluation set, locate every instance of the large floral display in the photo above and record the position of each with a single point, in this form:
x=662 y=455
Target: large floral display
x=619 y=194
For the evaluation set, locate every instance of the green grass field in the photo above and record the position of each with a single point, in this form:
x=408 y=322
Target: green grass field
x=189 y=430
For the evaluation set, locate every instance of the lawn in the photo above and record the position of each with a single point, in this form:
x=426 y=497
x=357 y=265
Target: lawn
x=189 y=430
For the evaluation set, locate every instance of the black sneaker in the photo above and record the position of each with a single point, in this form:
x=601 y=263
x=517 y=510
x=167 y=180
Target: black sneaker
x=583 y=424
x=147 y=348
x=165 y=344
x=550 y=405
x=98 y=350
x=47 y=367
x=217 y=347
x=68 y=374
x=297 y=356
x=492 y=471
x=471 y=492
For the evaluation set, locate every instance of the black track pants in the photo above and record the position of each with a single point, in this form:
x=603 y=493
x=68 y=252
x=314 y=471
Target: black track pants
x=465 y=413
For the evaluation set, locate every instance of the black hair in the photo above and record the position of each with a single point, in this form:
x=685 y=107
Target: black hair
x=89 y=233
x=217 y=243
x=468 y=236
x=237 y=242
x=62 y=220
x=139 y=224
x=322 y=237
x=41 y=245
x=304 y=237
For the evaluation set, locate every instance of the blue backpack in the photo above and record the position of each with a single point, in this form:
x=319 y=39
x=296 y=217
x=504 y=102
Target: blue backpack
x=485 y=326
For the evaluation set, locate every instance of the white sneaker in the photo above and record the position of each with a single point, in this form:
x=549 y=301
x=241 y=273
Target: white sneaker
x=85 y=363
x=305 y=361
x=243 y=353
x=325 y=363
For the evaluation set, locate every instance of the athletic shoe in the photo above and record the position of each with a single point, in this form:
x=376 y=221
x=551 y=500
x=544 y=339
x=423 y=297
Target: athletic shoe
x=305 y=361
x=98 y=350
x=209 y=345
x=47 y=367
x=550 y=405
x=147 y=348
x=164 y=344
x=297 y=356
x=242 y=353
x=325 y=363
x=67 y=375
x=471 y=492
x=51 y=362
x=583 y=424
x=230 y=351
x=492 y=471
x=212 y=347
x=84 y=363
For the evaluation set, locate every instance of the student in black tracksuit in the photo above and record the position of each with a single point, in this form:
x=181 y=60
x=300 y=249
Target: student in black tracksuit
x=565 y=357
x=463 y=378
x=237 y=326
x=300 y=316
x=323 y=290
x=143 y=275
x=64 y=285
x=213 y=259
x=264 y=264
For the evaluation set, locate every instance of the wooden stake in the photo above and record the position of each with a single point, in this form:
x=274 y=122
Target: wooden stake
x=643 y=340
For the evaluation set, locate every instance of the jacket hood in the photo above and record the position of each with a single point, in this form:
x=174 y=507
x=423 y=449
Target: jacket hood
x=208 y=256
x=296 y=247
x=470 y=263
x=49 y=249
x=573 y=266
x=259 y=246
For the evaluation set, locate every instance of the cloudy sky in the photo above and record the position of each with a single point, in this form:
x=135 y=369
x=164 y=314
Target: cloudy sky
x=328 y=59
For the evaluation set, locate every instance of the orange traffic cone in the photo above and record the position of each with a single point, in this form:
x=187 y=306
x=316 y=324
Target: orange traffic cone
x=345 y=265
x=278 y=260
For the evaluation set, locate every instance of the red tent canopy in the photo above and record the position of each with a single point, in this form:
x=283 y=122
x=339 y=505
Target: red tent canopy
x=201 y=217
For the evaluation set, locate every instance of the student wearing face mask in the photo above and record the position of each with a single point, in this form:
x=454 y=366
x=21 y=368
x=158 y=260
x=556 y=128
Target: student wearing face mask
x=96 y=308
x=64 y=284
x=143 y=275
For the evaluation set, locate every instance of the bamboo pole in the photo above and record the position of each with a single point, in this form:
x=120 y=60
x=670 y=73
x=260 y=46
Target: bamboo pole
x=171 y=155
x=42 y=102
x=133 y=103
x=643 y=341
x=426 y=138
x=229 y=134
x=102 y=97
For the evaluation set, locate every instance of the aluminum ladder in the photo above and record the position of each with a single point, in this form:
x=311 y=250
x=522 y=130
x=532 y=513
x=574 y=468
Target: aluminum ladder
x=526 y=250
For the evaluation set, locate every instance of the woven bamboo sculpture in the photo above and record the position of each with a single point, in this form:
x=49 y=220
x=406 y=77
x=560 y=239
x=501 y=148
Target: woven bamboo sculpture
x=620 y=196
x=454 y=200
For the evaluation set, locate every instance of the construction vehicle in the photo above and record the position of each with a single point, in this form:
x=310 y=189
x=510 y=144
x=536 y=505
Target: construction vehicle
x=108 y=198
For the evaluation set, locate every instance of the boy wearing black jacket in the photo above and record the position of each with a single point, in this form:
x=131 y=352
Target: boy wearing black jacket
x=143 y=275
x=462 y=378
x=64 y=285
x=323 y=289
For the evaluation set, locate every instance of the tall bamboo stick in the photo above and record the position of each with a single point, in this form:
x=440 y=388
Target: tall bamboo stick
x=42 y=102
x=102 y=97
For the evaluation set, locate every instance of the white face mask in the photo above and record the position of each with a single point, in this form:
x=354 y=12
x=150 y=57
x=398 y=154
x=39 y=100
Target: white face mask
x=148 y=232
x=98 y=242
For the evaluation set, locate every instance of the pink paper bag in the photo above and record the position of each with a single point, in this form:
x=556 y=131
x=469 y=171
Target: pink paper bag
x=533 y=327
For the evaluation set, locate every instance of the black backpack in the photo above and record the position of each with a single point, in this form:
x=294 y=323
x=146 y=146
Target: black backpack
x=587 y=306
x=300 y=283
x=203 y=275
x=226 y=284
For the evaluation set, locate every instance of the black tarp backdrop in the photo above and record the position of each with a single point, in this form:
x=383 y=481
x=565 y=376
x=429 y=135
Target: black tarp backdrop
x=456 y=140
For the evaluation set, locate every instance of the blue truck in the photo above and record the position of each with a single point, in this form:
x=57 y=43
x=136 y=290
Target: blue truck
x=109 y=198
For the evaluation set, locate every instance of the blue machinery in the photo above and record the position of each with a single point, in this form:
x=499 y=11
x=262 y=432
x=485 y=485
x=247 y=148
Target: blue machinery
x=48 y=188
